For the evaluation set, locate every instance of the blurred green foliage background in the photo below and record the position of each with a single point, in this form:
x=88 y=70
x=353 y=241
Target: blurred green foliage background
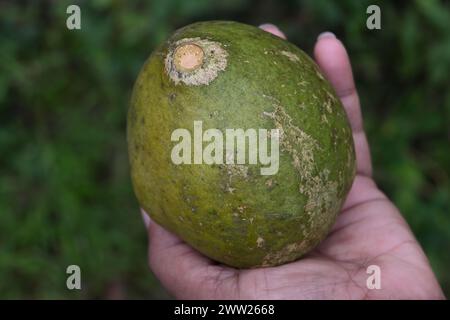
x=65 y=192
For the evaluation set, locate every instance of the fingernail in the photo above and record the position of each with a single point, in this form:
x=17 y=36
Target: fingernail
x=146 y=218
x=326 y=34
x=273 y=29
x=267 y=25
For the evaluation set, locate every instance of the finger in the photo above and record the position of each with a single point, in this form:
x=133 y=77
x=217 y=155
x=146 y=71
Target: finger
x=182 y=270
x=273 y=30
x=333 y=60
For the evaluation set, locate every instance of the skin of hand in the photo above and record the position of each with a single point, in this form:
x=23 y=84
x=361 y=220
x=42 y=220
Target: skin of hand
x=369 y=231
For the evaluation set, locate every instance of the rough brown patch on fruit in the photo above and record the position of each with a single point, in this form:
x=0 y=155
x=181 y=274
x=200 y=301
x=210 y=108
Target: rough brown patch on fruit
x=291 y=56
x=288 y=253
x=320 y=76
x=195 y=61
x=259 y=242
x=328 y=106
x=233 y=171
x=295 y=141
x=231 y=190
x=242 y=208
x=239 y=170
x=269 y=183
x=331 y=96
x=320 y=191
x=322 y=194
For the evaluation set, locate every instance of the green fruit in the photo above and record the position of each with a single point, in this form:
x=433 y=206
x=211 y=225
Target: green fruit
x=228 y=76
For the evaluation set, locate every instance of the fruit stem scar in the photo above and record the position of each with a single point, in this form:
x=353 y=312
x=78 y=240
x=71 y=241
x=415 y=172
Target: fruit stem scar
x=195 y=61
x=188 y=57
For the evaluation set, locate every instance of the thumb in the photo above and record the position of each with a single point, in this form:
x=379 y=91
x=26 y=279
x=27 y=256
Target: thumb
x=182 y=270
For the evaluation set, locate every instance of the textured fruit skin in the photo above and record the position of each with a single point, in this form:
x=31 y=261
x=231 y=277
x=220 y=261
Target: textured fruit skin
x=232 y=213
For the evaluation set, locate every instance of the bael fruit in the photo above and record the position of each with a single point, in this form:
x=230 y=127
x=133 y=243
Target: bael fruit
x=228 y=75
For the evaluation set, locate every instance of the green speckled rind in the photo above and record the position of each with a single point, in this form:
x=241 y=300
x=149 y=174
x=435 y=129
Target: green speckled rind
x=232 y=213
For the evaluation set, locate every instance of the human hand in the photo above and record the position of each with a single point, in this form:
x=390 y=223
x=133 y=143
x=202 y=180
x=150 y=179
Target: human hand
x=368 y=231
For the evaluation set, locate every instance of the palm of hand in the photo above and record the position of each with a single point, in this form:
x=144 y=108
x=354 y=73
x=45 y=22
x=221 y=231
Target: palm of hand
x=368 y=231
